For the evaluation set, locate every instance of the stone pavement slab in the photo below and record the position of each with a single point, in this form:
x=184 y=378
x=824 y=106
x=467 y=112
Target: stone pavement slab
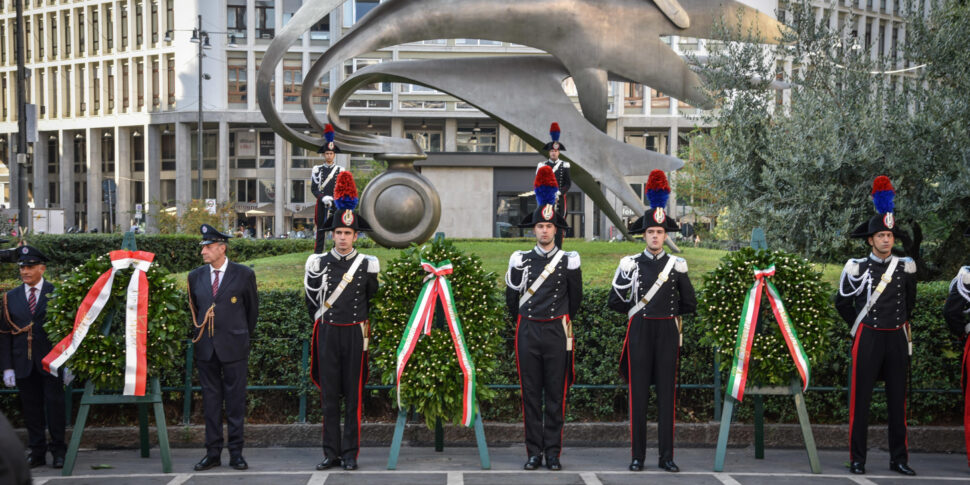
x=460 y=466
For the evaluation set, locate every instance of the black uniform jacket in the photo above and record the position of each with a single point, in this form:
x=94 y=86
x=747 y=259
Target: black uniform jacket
x=675 y=296
x=324 y=172
x=560 y=294
x=353 y=304
x=13 y=348
x=894 y=307
x=956 y=306
x=562 y=175
x=236 y=311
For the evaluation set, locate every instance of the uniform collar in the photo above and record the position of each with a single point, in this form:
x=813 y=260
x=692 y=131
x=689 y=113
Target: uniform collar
x=343 y=257
x=877 y=259
x=225 y=264
x=650 y=256
x=39 y=286
x=544 y=254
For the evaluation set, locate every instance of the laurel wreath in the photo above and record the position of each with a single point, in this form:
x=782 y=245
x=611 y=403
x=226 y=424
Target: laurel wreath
x=806 y=297
x=432 y=381
x=100 y=359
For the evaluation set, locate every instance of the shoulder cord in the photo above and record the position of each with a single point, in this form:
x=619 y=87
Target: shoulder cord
x=316 y=176
x=633 y=276
x=523 y=282
x=15 y=330
x=962 y=289
x=855 y=283
x=209 y=320
x=315 y=293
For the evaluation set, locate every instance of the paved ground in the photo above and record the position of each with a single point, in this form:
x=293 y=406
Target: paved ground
x=460 y=466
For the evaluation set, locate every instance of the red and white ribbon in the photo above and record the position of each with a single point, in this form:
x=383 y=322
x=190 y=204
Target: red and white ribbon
x=136 y=319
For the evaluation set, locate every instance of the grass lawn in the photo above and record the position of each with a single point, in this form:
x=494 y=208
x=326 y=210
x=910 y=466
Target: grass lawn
x=599 y=259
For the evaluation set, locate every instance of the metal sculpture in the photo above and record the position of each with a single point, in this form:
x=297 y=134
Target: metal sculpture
x=590 y=40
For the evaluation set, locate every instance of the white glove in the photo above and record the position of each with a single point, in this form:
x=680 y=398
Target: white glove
x=327 y=200
x=68 y=377
x=9 y=378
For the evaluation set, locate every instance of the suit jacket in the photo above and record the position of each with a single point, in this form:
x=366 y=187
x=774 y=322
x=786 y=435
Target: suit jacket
x=13 y=348
x=236 y=311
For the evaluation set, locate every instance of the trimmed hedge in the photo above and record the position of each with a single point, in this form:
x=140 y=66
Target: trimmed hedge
x=284 y=323
x=176 y=252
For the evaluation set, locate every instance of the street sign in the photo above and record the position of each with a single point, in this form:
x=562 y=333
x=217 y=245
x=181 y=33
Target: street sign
x=210 y=206
x=139 y=211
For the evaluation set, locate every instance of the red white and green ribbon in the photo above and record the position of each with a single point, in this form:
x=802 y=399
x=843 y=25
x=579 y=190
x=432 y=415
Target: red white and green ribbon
x=749 y=319
x=436 y=286
x=136 y=319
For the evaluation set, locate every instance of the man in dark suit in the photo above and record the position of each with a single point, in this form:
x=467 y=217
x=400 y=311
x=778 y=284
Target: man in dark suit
x=225 y=307
x=23 y=345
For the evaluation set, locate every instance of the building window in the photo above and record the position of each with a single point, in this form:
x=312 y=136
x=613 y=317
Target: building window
x=208 y=188
x=137 y=153
x=170 y=65
x=107 y=154
x=236 y=18
x=236 y=77
x=368 y=103
x=321 y=30
x=53 y=24
x=67 y=33
x=109 y=28
x=633 y=96
x=510 y=210
x=210 y=150
x=125 y=86
x=139 y=26
x=429 y=141
x=265 y=19
x=362 y=7
x=95 y=30
x=292 y=80
x=140 y=81
x=267 y=191
x=423 y=104
x=297 y=191
x=461 y=42
x=168 y=153
x=154 y=22
x=124 y=26
x=246 y=190
x=476 y=138
x=321 y=90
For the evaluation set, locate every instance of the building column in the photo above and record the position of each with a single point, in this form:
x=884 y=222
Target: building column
x=123 y=168
x=94 y=193
x=281 y=189
x=397 y=127
x=504 y=138
x=153 y=185
x=183 y=167
x=222 y=164
x=66 y=177
x=451 y=135
x=672 y=145
x=41 y=159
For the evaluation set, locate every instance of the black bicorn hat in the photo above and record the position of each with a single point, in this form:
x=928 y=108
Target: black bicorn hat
x=329 y=146
x=29 y=256
x=345 y=201
x=554 y=132
x=546 y=191
x=883 y=196
x=657 y=191
x=212 y=235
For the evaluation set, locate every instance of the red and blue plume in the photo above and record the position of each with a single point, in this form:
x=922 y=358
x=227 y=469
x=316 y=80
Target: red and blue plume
x=328 y=132
x=657 y=189
x=345 y=191
x=554 y=131
x=546 y=186
x=883 y=194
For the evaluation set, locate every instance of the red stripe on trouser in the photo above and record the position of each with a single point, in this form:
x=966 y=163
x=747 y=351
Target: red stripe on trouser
x=360 y=392
x=966 y=398
x=518 y=370
x=852 y=389
x=629 y=381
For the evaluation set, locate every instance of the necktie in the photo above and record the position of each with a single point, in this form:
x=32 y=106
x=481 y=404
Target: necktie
x=32 y=300
x=215 y=283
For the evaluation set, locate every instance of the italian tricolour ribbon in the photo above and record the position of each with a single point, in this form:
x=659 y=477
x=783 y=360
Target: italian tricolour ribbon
x=749 y=318
x=136 y=319
x=436 y=286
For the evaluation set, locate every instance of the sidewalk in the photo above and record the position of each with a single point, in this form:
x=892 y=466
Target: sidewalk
x=460 y=466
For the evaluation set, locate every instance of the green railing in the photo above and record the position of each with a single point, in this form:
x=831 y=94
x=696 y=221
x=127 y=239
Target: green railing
x=187 y=389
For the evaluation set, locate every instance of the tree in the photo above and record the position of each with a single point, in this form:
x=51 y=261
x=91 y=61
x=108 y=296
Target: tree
x=169 y=222
x=803 y=170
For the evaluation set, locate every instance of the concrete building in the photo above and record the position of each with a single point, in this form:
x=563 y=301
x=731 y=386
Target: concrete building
x=116 y=85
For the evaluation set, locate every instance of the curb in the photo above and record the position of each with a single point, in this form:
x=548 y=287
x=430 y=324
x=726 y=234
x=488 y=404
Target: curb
x=930 y=439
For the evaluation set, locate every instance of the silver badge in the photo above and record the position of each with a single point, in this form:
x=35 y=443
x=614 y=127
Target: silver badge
x=659 y=215
x=889 y=220
x=205 y=229
x=24 y=250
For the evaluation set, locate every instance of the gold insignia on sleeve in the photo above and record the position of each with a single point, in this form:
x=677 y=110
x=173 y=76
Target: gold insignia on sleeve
x=233 y=299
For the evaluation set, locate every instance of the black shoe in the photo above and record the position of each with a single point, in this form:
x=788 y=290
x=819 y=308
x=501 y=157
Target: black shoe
x=350 y=463
x=238 y=462
x=207 y=462
x=636 y=466
x=553 y=464
x=669 y=466
x=58 y=462
x=328 y=463
x=36 y=460
x=533 y=463
x=901 y=468
x=857 y=468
